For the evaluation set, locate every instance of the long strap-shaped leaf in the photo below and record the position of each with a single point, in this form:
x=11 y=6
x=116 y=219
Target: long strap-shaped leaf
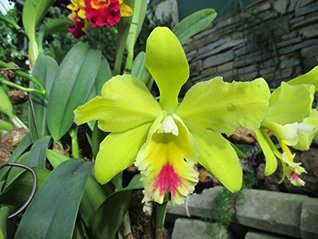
x=194 y=23
x=52 y=213
x=140 y=9
x=109 y=216
x=44 y=70
x=77 y=76
x=33 y=11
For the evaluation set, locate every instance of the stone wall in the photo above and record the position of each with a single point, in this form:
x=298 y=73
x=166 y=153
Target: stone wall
x=275 y=39
x=257 y=214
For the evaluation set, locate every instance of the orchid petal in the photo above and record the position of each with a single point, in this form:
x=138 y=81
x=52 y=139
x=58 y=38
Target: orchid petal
x=165 y=163
x=219 y=158
x=271 y=161
x=167 y=63
x=222 y=106
x=125 y=103
x=118 y=151
x=307 y=130
x=287 y=133
x=292 y=103
x=311 y=77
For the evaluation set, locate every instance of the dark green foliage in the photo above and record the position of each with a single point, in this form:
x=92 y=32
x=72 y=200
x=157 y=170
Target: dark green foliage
x=12 y=45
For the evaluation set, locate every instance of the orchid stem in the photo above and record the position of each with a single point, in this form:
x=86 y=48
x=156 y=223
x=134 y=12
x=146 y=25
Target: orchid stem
x=122 y=37
x=160 y=215
x=126 y=227
x=75 y=148
x=41 y=90
x=119 y=57
x=19 y=87
x=36 y=125
x=129 y=61
x=10 y=22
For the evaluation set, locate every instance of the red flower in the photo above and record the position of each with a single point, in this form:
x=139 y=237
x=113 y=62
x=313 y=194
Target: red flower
x=96 y=13
x=77 y=28
x=102 y=13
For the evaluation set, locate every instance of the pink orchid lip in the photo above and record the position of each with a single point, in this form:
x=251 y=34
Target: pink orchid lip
x=167 y=180
x=294 y=176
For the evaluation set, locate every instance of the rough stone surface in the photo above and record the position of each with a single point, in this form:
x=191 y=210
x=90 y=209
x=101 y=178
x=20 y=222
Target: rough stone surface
x=309 y=219
x=218 y=59
x=281 y=6
x=192 y=229
x=282 y=33
x=260 y=235
x=270 y=211
x=197 y=205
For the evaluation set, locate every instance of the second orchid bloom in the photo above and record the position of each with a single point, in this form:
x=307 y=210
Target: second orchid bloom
x=166 y=139
x=291 y=119
x=96 y=13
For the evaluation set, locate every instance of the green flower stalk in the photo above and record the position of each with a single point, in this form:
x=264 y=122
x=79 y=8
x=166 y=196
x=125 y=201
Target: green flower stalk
x=166 y=139
x=294 y=123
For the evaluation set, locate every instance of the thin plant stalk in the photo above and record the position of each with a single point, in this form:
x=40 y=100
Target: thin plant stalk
x=19 y=87
x=160 y=216
x=75 y=148
x=25 y=76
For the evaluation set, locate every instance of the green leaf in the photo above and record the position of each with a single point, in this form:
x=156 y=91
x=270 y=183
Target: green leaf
x=19 y=190
x=80 y=231
x=4 y=125
x=135 y=183
x=55 y=157
x=9 y=21
x=93 y=197
x=33 y=12
x=54 y=25
x=44 y=70
x=140 y=71
x=74 y=82
x=110 y=214
x=194 y=23
x=52 y=213
x=24 y=144
x=36 y=157
x=4 y=213
x=139 y=13
x=14 y=172
x=104 y=74
x=5 y=103
x=97 y=137
x=238 y=151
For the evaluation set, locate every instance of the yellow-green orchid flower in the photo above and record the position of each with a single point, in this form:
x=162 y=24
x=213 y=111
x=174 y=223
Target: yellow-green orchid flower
x=294 y=123
x=166 y=139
